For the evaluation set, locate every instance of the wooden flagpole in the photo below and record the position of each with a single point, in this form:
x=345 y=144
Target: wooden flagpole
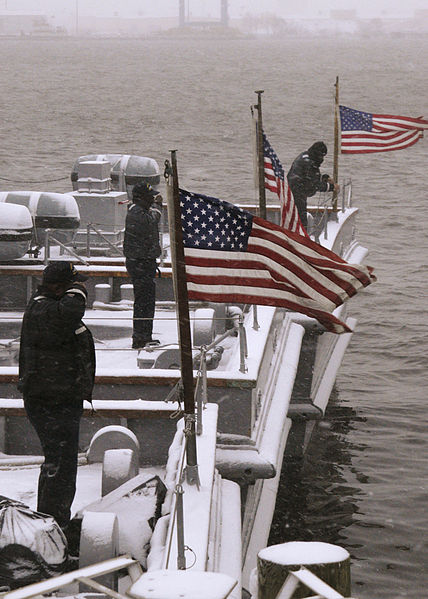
x=254 y=145
x=260 y=155
x=336 y=142
x=184 y=335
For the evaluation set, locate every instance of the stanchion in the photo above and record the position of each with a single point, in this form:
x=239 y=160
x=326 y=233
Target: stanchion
x=330 y=563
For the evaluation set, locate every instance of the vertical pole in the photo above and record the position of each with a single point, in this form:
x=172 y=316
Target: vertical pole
x=181 y=13
x=184 y=335
x=256 y=325
x=336 y=142
x=260 y=156
x=243 y=348
x=181 y=559
x=224 y=13
x=77 y=17
x=199 y=391
x=47 y=247
x=88 y=241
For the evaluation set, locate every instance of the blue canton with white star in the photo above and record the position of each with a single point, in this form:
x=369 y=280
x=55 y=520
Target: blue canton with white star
x=270 y=153
x=355 y=120
x=211 y=224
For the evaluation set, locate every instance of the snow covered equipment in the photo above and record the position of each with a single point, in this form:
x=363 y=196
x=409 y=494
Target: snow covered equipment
x=32 y=545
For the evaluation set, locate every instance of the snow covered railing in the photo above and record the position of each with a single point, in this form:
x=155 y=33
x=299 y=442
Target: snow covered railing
x=326 y=210
x=84 y=575
x=133 y=408
x=189 y=505
x=346 y=194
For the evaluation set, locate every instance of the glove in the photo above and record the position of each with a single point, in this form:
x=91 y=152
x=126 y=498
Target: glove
x=157 y=202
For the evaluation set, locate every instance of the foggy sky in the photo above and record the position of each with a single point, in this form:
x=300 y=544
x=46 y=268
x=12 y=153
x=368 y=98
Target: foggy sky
x=211 y=8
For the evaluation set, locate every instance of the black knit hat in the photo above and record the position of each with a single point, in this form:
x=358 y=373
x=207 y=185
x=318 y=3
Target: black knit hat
x=62 y=272
x=318 y=148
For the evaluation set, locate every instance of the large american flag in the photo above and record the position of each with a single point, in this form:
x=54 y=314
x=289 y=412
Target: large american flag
x=275 y=182
x=363 y=132
x=234 y=256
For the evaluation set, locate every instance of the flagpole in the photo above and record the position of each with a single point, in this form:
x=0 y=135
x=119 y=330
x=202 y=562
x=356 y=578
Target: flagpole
x=255 y=153
x=184 y=335
x=260 y=155
x=336 y=142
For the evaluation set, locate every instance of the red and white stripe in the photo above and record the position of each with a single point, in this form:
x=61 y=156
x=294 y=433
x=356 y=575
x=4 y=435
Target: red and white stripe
x=389 y=133
x=279 y=268
x=364 y=142
x=289 y=216
x=272 y=182
x=389 y=122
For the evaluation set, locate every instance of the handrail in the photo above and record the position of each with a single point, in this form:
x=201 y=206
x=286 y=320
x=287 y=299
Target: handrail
x=86 y=573
x=201 y=390
x=174 y=511
x=240 y=328
x=181 y=559
x=321 y=225
x=346 y=197
x=48 y=238
x=111 y=245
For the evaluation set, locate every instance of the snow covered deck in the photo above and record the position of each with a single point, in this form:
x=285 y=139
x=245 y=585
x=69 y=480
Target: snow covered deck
x=20 y=481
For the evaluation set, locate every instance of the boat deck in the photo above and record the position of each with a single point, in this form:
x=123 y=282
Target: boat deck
x=19 y=480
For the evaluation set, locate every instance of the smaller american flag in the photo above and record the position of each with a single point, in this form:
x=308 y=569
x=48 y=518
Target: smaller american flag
x=233 y=256
x=364 y=132
x=275 y=182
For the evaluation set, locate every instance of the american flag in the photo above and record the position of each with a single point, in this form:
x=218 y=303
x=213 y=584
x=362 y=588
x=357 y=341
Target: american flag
x=363 y=132
x=275 y=182
x=234 y=256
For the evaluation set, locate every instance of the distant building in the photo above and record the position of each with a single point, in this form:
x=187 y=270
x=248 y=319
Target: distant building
x=17 y=23
x=122 y=26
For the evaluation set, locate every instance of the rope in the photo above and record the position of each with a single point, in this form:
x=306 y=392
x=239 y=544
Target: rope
x=45 y=181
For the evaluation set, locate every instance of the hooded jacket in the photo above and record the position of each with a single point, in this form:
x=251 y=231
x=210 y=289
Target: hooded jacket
x=57 y=354
x=304 y=176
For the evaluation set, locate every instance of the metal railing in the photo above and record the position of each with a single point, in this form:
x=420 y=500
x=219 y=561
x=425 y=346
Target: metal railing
x=346 y=194
x=47 y=245
x=114 y=247
x=327 y=204
x=201 y=398
x=12 y=346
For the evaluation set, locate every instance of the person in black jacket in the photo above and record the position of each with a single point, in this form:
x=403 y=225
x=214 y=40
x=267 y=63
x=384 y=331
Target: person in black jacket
x=304 y=178
x=141 y=248
x=56 y=373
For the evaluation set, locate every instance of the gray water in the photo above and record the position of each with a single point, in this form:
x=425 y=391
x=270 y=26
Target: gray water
x=364 y=481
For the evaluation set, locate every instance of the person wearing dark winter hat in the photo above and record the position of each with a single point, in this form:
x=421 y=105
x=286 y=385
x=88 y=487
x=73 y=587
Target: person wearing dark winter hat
x=304 y=178
x=56 y=374
x=141 y=248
